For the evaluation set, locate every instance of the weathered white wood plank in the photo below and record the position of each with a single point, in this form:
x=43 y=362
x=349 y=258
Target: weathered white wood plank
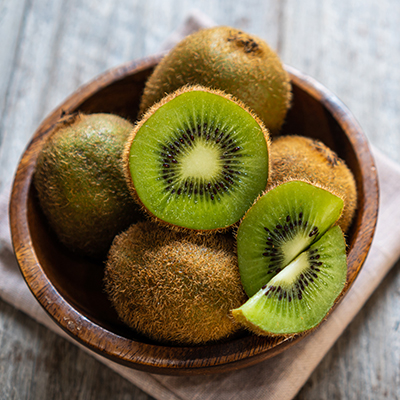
x=11 y=25
x=352 y=48
x=11 y=21
x=31 y=68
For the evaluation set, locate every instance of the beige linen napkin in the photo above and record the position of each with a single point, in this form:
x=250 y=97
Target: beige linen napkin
x=278 y=378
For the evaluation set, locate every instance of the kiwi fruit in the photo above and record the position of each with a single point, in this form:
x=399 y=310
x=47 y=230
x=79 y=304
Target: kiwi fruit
x=299 y=157
x=174 y=287
x=231 y=60
x=80 y=182
x=299 y=297
x=197 y=160
x=280 y=225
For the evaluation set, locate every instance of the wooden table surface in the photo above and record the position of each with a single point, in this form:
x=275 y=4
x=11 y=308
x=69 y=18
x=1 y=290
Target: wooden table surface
x=50 y=47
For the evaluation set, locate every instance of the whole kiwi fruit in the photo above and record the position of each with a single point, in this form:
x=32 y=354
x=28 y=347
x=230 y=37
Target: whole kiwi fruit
x=231 y=60
x=80 y=182
x=300 y=157
x=174 y=287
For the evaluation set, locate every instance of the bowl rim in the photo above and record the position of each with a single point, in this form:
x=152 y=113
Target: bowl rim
x=168 y=359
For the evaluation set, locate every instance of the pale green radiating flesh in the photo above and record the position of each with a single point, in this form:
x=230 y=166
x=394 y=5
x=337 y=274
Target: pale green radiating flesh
x=299 y=297
x=279 y=226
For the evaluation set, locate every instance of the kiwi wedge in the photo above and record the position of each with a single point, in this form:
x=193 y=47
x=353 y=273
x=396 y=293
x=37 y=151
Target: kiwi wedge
x=174 y=287
x=299 y=297
x=80 y=182
x=197 y=160
x=300 y=157
x=280 y=225
x=227 y=59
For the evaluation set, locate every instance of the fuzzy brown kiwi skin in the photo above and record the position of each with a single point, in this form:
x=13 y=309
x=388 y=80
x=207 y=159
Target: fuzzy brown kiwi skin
x=80 y=185
x=142 y=121
x=231 y=60
x=173 y=287
x=299 y=157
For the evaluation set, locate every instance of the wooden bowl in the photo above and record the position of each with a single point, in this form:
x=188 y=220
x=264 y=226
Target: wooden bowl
x=70 y=288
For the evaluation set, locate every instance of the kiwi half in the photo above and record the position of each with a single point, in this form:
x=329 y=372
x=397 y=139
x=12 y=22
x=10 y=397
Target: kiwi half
x=197 y=160
x=300 y=296
x=281 y=224
x=80 y=182
x=227 y=59
x=174 y=287
x=299 y=157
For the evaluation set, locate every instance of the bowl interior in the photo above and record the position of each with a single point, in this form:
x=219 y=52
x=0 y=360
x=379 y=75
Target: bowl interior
x=75 y=284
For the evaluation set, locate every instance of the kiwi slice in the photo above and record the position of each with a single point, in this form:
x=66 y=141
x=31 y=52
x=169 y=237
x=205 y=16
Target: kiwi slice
x=300 y=296
x=227 y=59
x=174 y=287
x=80 y=182
x=197 y=159
x=279 y=226
x=300 y=157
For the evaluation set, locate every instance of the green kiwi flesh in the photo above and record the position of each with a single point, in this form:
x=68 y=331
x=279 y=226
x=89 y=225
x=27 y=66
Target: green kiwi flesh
x=231 y=60
x=174 y=287
x=80 y=182
x=198 y=160
x=281 y=224
x=299 y=297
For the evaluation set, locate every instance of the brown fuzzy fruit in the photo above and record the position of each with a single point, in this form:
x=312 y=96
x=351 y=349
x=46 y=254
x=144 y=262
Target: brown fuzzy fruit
x=173 y=287
x=230 y=60
x=299 y=157
x=80 y=182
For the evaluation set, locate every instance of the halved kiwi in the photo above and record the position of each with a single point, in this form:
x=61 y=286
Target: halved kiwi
x=300 y=296
x=281 y=224
x=198 y=159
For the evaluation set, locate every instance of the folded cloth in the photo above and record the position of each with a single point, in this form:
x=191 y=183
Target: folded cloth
x=280 y=377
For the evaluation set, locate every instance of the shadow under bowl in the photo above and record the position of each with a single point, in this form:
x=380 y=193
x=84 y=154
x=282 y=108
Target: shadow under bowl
x=70 y=287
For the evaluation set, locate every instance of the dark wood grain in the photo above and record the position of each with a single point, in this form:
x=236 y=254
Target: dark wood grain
x=60 y=280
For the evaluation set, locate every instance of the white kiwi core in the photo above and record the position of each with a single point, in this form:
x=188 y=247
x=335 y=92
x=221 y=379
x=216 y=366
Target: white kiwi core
x=293 y=247
x=201 y=162
x=290 y=274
